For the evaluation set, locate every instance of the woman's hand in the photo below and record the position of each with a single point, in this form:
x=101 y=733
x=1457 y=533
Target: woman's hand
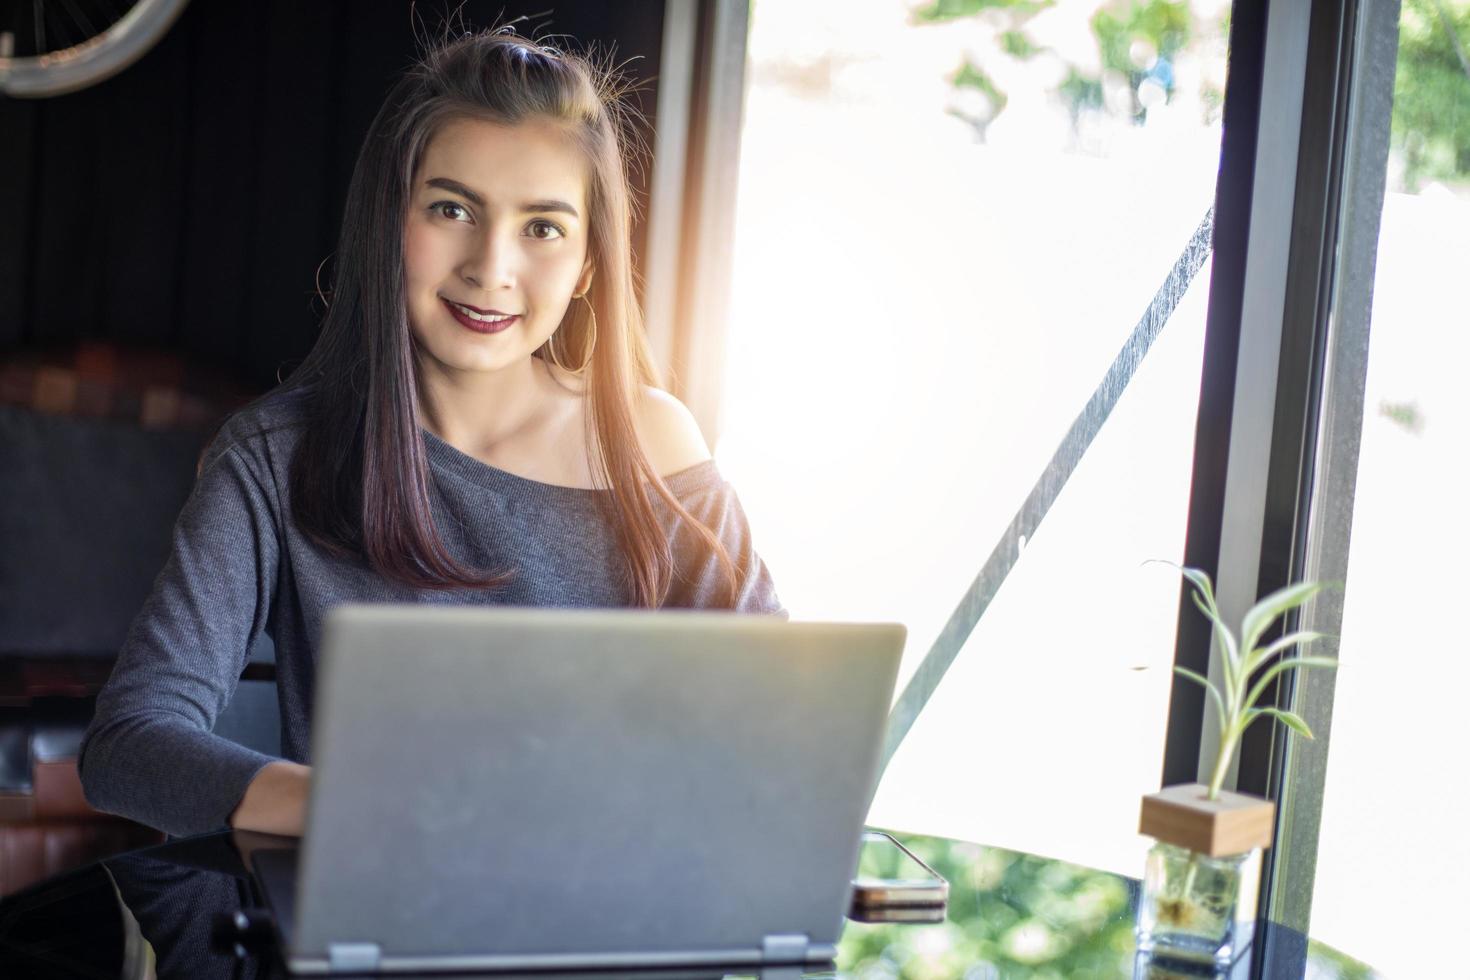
x=275 y=800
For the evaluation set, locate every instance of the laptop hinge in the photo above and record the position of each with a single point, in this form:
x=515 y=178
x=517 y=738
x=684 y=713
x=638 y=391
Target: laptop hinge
x=354 y=957
x=785 y=947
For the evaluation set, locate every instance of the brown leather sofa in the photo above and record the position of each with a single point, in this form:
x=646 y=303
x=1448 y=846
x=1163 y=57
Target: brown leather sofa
x=98 y=450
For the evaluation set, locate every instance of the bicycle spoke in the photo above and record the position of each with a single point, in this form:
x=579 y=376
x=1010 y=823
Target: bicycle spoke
x=80 y=18
x=113 y=11
x=61 y=28
x=59 y=33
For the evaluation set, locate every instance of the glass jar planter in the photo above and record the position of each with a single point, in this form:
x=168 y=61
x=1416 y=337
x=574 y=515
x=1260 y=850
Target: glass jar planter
x=1189 y=909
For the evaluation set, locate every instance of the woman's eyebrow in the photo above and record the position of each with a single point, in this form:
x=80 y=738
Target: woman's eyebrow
x=454 y=186
x=552 y=205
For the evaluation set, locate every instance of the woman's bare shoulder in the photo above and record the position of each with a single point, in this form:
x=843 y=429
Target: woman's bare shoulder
x=668 y=432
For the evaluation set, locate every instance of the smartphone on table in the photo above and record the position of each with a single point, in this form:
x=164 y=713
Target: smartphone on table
x=894 y=885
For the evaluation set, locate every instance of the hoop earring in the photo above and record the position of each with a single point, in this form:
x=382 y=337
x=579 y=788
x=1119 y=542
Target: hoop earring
x=554 y=358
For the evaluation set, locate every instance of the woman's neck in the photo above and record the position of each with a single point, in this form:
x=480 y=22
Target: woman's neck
x=520 y=419
x=475 y=411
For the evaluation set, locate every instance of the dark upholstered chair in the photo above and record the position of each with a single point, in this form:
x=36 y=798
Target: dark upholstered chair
x=98 y=450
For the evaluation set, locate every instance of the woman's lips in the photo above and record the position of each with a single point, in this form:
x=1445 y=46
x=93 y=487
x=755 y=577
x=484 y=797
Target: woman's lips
x=478 y=326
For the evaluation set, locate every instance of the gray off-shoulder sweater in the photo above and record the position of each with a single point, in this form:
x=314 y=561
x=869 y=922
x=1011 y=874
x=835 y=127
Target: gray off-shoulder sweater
x=239 y=568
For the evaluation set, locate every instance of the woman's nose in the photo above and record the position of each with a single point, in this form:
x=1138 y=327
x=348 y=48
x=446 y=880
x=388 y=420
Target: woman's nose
x=491 y=265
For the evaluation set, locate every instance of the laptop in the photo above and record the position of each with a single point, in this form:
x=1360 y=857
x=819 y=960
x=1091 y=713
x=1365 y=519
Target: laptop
x=518 y=789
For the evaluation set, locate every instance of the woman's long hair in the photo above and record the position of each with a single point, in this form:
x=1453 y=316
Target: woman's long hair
x=359 y=478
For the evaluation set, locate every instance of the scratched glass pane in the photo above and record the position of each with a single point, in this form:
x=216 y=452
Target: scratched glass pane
x=970 y=276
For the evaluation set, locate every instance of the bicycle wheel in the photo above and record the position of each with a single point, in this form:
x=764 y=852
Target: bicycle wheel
x=51 y=48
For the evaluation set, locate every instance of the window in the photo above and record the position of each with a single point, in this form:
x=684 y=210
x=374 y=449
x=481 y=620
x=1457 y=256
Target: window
x=959 y=224
x=950 y=225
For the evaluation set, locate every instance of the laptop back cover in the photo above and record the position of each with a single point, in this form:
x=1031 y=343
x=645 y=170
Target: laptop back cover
x=541 y=788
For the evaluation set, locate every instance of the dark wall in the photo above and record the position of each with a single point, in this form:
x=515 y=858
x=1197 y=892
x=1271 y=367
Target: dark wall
x=188 y=202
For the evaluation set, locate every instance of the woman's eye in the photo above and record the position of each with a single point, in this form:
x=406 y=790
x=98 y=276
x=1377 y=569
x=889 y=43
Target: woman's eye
x=451 y=210
x=545 y=230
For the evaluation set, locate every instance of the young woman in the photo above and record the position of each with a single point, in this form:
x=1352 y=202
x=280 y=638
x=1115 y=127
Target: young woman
x=476 y=424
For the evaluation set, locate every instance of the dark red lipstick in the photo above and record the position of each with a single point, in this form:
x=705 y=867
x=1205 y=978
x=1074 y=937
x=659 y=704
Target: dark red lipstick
x=462 y=311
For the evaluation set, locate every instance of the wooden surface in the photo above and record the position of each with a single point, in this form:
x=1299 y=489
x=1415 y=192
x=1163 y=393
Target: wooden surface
x=1184 y=816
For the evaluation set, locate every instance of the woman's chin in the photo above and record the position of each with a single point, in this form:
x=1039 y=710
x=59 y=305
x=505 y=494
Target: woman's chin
x=458 y=360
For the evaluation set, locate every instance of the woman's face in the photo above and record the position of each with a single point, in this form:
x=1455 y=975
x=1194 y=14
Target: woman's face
x=495 y=242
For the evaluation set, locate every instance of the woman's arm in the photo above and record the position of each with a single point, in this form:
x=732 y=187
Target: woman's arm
x=699 y=577
x=672 y=439
x=150 y=753
x=275 y=801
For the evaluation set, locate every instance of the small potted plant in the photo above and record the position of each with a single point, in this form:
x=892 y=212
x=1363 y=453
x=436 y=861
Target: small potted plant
x=1191 y=887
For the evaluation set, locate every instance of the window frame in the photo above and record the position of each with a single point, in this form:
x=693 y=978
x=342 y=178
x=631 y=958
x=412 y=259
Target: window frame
x=1299 y=201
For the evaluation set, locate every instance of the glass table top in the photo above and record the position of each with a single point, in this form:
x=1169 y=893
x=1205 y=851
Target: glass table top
x=190 y=909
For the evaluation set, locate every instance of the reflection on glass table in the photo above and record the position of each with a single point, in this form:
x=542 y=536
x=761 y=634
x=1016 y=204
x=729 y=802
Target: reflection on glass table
x=189 y=909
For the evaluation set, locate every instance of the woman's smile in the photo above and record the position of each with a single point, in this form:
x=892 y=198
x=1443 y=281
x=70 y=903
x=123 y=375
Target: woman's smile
x=480 y=321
